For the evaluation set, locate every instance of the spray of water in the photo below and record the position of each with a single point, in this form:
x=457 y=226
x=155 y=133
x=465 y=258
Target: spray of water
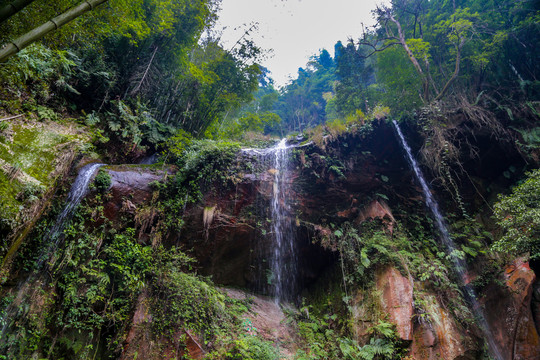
x=282 y=275
x=78 y=191
x=459 y=263
x=283 y=262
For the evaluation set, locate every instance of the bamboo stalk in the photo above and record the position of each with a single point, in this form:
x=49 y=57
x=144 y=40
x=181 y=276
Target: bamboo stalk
x=17 y=45
x=12 y=117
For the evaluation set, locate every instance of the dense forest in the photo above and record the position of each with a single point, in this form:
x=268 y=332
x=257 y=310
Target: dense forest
x=144 y=202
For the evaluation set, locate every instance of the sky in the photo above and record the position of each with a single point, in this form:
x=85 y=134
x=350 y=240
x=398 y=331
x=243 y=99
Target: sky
x=294 y=29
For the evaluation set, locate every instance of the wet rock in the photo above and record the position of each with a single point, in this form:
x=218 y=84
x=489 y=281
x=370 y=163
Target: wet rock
x=131 y=187
x=508 y=312
x=436 y=334
x=397 y=300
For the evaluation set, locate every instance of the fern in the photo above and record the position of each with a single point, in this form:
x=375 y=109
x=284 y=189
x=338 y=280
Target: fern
x=376 y=348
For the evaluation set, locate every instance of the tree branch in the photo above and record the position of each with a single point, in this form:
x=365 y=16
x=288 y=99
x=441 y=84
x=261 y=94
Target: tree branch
x=138 y=87
x=411 y=56
x=376 y=49
x=456 y=70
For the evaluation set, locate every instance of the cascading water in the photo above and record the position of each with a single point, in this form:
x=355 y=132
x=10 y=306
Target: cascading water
x=78 y=191
x=459 y=264
x=283 y=262
x=282 y=274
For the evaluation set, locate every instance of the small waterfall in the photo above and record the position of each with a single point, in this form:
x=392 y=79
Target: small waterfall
x=78 y=191
x=282 y=271
x=459 y=264
x=283 y=262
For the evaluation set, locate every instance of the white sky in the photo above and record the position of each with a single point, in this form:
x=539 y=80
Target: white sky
x=294 y=29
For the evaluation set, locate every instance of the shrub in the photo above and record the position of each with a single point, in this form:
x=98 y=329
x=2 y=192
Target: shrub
x=519 y=216
x=103 y=181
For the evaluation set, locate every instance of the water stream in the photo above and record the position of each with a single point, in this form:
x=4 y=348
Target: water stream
x=78 y=191
x=282 y=273
x=459 y=263
x=26 y=287
x=283 y=262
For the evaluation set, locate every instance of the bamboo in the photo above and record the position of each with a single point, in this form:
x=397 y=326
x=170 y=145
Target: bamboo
x=11 y=9
x=12 y=117
x=17 y=45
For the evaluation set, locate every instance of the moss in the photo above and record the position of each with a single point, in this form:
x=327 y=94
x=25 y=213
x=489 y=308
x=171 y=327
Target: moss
x=34 y=150
x=29 y=158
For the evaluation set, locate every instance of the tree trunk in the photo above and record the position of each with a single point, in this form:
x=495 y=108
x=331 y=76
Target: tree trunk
x=138 y=87
x=456 y=70
x=11 y=9
x=17 y=45
x=403 y=42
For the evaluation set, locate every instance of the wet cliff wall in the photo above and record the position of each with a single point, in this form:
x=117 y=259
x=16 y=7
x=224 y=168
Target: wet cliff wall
x=130 y=276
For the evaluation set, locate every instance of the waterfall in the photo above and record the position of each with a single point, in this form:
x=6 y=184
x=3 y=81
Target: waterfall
x=281 y=275
x=78 y=191
x=459 y=264
x=283 y=261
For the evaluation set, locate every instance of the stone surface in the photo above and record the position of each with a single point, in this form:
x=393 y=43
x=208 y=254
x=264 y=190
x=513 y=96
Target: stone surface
x=438 y=335
x=508 y=312
x=397 y=300
x=377 y=209
x=267 y=320
x=131 y=187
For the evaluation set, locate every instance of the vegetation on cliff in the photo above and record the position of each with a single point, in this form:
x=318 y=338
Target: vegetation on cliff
x=138 y=272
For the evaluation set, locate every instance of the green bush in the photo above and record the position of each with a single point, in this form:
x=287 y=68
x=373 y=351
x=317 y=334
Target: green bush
x=519 y=216
x=37 y=69
x=103 y=181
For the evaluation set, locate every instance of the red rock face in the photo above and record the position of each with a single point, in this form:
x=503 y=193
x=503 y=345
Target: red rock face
x=508 y=312
x=397 y=300
x=439 y=337
x=130 y=187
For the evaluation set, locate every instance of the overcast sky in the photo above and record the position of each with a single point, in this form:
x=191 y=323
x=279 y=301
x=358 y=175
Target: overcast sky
x=294 y=29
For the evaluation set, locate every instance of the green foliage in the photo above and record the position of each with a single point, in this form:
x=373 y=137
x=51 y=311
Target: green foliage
x=302 y=103
x=248 y=123
x=470 y=236
x=102 y=181
x=323 y=340
x=185 y=299
x=397 y=75
x=376 y=349
x=362 y=249
x=98 y=273
x=177 y=144
x=137 y=67
x=248 y=347
x=39 y=71
x=518 y=214
x=202 y=163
